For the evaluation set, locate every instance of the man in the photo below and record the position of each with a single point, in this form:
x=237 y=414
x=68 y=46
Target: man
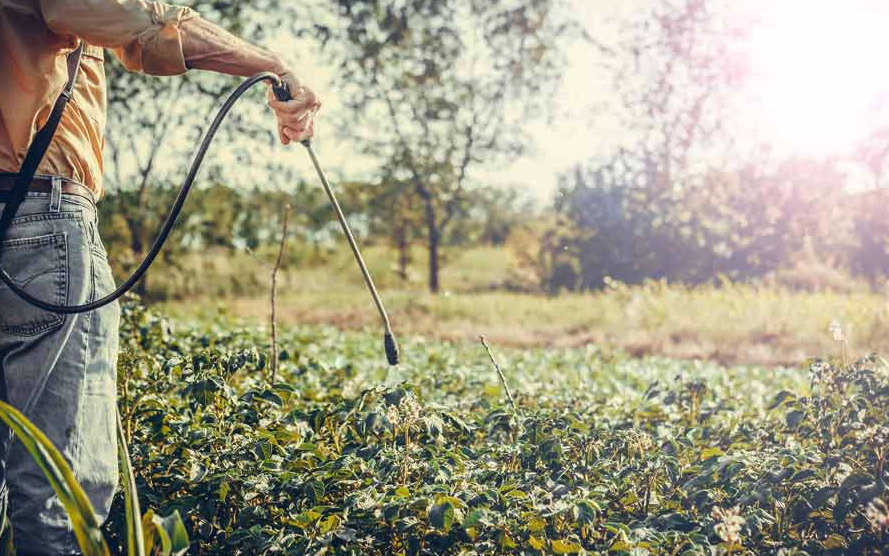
x=60 y=369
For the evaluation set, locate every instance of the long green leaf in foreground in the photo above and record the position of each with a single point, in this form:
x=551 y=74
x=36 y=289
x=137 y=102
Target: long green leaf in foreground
x=135 y=535
x=166 y=536
x=61 y=478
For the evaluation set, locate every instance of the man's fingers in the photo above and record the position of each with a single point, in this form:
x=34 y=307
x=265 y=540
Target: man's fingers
x=293 y=106
x=282 y=135
x=298 y=134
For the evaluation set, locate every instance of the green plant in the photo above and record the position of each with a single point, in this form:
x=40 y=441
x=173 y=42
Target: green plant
x=606 y=453
x=59 y=475
x=86 y=529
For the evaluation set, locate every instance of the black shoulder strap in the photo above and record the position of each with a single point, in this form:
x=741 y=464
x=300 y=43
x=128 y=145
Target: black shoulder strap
x=40 y=143
x=26 y=174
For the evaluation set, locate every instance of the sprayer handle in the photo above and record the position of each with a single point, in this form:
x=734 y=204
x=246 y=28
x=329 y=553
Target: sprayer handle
x=281 y=90
x=282 y=93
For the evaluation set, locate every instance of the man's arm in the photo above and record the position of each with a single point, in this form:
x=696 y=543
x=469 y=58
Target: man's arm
x=161 y=39
x=206 y=46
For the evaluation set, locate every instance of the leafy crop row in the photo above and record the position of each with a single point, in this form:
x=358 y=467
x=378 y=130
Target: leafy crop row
x=604 y=454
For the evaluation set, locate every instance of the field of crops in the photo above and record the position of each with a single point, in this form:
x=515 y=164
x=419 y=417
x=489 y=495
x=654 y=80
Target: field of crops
x=601 y=453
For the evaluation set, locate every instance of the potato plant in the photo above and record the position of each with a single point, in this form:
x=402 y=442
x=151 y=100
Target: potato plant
x=604 y=454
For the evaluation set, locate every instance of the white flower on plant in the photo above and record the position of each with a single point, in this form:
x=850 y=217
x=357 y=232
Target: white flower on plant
x=877 y=514
x=393 y=415
x=729 y=523
x=405 y=414
x=409 y=408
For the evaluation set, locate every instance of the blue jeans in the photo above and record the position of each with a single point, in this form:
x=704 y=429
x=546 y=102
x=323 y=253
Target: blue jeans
x=60 y=370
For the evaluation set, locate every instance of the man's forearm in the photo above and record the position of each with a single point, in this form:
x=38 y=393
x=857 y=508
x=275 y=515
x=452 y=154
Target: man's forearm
x=208 y=47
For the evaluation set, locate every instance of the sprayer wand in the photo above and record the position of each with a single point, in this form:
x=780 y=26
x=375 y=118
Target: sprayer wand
x=282 y=92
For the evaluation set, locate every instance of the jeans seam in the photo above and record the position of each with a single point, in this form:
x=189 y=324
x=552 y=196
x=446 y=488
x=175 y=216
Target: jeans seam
x=77 y=452
x=44 y=216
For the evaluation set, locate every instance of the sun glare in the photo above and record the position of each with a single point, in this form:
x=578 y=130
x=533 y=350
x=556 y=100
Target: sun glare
x=820 y=72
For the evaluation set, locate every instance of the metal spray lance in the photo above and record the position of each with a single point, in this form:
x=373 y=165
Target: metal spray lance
x=282 y=92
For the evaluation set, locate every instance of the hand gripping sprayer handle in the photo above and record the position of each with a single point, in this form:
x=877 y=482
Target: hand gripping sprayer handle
x=282 y=93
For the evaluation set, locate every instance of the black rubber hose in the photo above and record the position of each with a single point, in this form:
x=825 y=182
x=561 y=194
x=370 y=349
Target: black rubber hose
x=167 y=226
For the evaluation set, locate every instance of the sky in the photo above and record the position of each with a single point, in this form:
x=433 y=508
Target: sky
x=818 y=82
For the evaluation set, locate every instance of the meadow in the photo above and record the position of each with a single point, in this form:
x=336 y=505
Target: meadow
x=756 y=323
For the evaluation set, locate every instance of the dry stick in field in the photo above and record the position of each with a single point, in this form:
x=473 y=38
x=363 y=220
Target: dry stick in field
x=274 y=358
x=500 y=374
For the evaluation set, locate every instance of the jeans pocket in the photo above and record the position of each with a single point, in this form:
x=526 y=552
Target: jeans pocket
x=38 y=265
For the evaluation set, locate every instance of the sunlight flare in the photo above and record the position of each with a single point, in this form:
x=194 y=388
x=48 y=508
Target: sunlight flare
x=819 y=72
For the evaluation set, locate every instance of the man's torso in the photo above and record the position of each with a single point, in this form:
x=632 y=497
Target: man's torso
x=32 y=73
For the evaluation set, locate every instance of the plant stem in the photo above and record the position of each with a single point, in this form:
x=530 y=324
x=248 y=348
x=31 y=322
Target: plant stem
x=500 y=374
x=274 y=292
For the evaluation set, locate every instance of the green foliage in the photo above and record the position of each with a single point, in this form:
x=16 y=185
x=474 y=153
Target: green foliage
x=135 y=533
x=607 y=454
x=636 y=224
x=77 y=505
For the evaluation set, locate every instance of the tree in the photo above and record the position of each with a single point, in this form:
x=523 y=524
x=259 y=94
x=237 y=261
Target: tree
x=393 y=207
x=437 y=86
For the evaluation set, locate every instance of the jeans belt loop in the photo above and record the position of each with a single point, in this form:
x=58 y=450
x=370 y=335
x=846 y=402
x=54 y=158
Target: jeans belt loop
x=55 y=199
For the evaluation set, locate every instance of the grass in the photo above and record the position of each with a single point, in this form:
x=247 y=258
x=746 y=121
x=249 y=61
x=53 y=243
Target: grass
x=730 y=323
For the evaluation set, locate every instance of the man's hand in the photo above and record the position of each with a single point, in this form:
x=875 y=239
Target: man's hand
x=209 y=47
x=295 y=117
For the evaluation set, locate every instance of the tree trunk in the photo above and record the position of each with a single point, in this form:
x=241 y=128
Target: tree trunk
x=433 y=245
x=404 y=251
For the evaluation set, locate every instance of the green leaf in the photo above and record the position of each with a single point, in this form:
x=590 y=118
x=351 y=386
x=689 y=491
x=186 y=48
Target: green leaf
x=441 y=516
x=271 y=397
x=402 y=492
x=474 y=517
x=835 y=541
x=536 y=524
x=782 y=396
x=794 y=418
x=135 y=534
x=505 y=541
x=586 y=511
x=332 y=523
x=711 y=453
x=565 y=547
x=171 y=530
x=307 y=518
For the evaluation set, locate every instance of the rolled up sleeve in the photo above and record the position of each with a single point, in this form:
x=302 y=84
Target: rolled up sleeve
x=144 y=35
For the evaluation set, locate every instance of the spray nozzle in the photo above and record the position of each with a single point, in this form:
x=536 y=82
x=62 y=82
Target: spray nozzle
x=391 y=348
